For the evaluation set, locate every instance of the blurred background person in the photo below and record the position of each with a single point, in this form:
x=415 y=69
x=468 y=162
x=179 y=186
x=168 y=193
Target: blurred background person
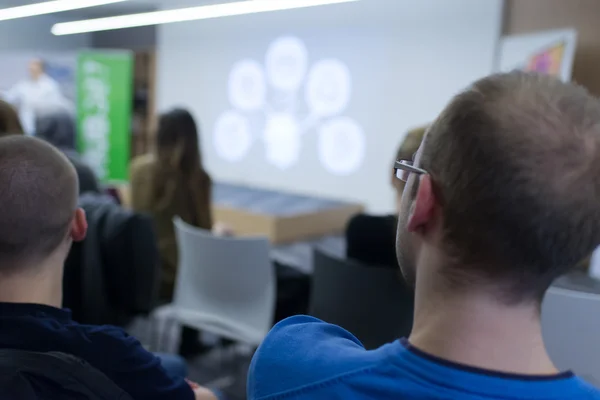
x=171 y=181
x=9 y=120
x=371 y=239
x=34 y=95
x=57 y=126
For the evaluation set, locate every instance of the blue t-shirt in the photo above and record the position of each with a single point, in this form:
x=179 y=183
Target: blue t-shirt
x=120 y=357
x=304 y=358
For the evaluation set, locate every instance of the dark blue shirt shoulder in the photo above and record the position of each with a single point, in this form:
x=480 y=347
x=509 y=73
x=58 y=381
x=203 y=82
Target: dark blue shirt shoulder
x=109 y=349
x=304 y=358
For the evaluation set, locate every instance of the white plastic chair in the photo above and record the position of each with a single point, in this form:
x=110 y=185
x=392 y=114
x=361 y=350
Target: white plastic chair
x=225 y=285
x=571 y=329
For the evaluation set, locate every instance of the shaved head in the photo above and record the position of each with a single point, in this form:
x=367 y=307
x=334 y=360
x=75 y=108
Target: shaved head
x=38 y=200
x=514 y=162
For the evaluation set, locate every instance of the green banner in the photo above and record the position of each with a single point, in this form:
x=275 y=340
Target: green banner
x=104 y=107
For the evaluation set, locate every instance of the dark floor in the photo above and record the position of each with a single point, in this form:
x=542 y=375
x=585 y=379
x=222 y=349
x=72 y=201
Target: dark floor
x=221 y=368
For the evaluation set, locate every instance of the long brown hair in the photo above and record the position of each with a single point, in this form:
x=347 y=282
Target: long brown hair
x=180 y=163
x=9 y=120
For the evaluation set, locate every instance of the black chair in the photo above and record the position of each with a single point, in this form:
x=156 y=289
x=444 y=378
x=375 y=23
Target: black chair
x=112 y=276
x=373 y=303
x=26 y=375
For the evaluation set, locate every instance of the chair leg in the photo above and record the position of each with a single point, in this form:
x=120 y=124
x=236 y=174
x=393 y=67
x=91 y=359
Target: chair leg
x=220 y=354
x=169 y=323
x=154 y=335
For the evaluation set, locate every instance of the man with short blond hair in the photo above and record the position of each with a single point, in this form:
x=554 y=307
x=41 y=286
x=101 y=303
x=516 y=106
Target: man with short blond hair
x=501 y=199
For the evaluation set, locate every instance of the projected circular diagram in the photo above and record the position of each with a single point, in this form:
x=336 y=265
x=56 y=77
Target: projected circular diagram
x=282 y=140
x=341 y=144
x=286 y=63
x=247 y=86
x=328 y=88
x=232 y=136
x=273 y=93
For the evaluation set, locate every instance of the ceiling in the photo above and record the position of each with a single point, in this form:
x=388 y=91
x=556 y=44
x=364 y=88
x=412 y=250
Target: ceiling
x=125 y=7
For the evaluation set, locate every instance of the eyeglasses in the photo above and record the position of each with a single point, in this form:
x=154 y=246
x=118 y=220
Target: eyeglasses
x=404 y=168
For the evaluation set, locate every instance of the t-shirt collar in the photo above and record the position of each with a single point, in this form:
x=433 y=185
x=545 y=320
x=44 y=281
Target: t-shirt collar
x=466 y=378
x=34 y=309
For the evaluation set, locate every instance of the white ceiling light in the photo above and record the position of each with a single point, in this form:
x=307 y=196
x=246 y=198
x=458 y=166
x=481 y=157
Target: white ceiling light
x=186 y=14
x=49 y=7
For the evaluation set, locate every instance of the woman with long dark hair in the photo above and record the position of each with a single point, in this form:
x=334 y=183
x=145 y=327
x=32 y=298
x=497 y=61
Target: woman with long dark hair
x=169 y=182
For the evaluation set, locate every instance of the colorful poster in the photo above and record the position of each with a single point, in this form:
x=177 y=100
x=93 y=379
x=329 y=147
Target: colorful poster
x=548 y=61
x=104 y=107
x=548 y=52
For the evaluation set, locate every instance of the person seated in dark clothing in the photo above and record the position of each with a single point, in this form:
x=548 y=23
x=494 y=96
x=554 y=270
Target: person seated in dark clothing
x=371 y=239
x=39 y=220
x=58 y=128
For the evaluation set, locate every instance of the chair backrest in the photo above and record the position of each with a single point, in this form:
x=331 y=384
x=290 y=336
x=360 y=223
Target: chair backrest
x=373 y=303
x=26 y=375
x=571 y=329
x=228 y=278
x=112 y=275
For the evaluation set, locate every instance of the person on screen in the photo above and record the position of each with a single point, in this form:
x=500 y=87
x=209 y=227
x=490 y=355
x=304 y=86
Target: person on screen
x=172 y=182
x=501 y=199
x=9 y=120
x=39 y=221
x=371 y=239
x=35 y=94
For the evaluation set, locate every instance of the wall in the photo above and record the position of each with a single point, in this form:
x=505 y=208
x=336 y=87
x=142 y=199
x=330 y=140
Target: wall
x=406 y=58
x=34 y=34
x=141 y=38
x=583 y=15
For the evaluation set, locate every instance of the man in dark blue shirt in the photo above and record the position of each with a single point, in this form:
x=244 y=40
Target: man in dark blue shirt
x=39 y=219
x=502 y=197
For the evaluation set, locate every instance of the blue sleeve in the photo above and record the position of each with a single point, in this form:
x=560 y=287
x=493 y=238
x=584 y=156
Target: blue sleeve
x=299 y=352
x=134 y=369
